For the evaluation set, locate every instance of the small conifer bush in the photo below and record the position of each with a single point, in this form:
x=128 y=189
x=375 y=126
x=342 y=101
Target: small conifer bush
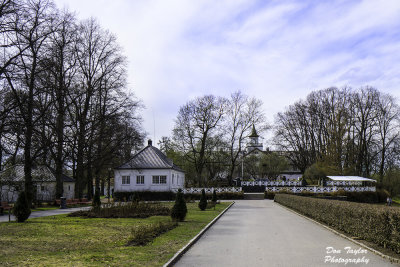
x=214 y=197
x=179 y=209
x=203 y=200
x=21 y=209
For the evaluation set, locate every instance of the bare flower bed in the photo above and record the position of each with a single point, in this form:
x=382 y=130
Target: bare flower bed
x=374 y=223
x=143 y=234
x=124 y=210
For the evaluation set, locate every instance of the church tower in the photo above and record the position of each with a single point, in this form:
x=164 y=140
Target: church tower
x=254 y=144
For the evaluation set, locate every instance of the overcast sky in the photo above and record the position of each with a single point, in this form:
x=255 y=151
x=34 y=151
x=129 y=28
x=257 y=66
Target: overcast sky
x=278 y=51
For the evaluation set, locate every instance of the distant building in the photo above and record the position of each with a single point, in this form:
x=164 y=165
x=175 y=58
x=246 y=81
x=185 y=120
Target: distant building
x=255 y=147
x=44 y=181
x=148 y=170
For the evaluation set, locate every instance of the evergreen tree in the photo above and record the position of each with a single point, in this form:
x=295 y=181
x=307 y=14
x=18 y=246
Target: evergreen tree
x=203 y=200
x=21 y=209
x=179 y=210
x=214 y=197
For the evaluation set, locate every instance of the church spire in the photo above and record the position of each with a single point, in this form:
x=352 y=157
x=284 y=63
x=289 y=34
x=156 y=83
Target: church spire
x=253 y=132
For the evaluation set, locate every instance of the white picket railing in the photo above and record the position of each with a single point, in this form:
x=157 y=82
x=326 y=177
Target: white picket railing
x=325 y=189
x=294 y=189
x=271 y=183
x=343 y=183
x=197 y=190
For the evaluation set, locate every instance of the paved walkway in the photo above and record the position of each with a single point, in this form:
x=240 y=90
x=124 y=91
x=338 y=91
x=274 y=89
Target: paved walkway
x=35 y=214
x=262 y=233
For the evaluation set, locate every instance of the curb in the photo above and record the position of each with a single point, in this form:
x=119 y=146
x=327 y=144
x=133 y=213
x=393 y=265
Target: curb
x=391 y=259
x=182 y=251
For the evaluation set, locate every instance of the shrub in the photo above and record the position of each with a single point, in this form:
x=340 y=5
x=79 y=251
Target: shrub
x=143 y=234
x=253 y=189
x=203 y=200
x=374 y=223
x=222 y=195
x=211 y=205
x=179 y=209
x=363 y=197
x=144 y=196
x=169 y=196
x=21 y=208
x=269 y=195
x=124 y=210
x=214 y=196
x=96 y=199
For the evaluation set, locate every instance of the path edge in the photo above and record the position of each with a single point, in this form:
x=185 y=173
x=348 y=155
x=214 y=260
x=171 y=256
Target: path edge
x=183 y=250
x=391 y=259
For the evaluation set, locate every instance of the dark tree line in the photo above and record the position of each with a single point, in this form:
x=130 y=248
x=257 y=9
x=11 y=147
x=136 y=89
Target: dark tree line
x=344 y=131
x=63 y=95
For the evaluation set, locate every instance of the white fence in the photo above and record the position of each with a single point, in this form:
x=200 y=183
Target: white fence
x=294 y=189
x=197 y=190
x=271 y=183
x=343 y=183
x=317 y=189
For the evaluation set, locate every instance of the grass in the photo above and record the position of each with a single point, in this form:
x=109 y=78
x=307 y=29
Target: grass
x=73 y=241
x=45 y=208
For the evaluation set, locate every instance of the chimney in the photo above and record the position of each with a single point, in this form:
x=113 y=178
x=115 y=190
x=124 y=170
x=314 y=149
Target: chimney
x=150 y=143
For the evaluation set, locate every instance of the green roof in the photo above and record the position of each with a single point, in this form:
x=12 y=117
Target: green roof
x=253 y=132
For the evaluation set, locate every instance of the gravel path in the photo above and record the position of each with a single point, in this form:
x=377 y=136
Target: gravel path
x=35 y=214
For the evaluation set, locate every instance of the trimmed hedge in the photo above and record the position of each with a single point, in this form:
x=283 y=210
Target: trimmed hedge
x=253 y=188
x=124 y=210
x=269 y=195
x=220 y=196
x=374 y=223
x=379 y=196
x=167 y=195
x=144 y=196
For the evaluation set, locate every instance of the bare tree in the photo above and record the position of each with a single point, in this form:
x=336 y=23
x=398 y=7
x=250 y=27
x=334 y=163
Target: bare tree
x=196 y=123
x=34 y=28
x=388 y=127
x=242 y=113
x=345 y=131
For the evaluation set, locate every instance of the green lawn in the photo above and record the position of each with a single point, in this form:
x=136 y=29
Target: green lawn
x=71 y=241
x=45 y=208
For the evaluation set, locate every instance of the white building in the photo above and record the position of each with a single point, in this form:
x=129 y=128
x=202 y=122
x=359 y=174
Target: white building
x=44 y=181
x=254 y=146
x=148 y=170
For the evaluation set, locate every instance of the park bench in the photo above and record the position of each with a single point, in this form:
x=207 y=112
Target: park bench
x=84 y=201
x=4 y=206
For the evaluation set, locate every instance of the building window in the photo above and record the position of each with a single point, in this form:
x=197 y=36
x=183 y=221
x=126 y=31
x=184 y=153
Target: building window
x=126 y=179
x=159 y=179
x=42 y=188
x=69 y=188
x=156 y=179
x=140 y=179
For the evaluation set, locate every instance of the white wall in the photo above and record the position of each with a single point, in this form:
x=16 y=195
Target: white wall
x=175 y=180
x=10 y=194
x=69 y=190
